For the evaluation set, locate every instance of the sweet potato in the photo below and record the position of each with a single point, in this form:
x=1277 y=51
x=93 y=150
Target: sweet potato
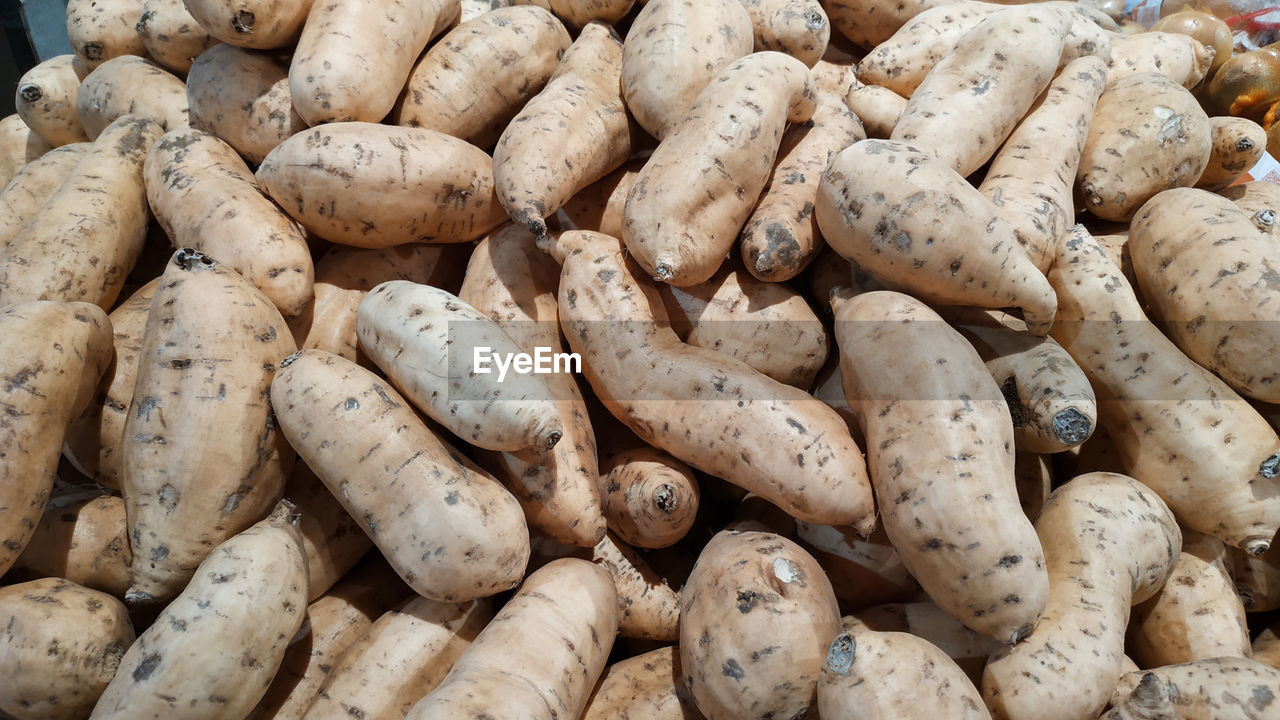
x=649 y=498
x=900 y=61
x=912 y=222
x=1238 y=144
x=1257 y=579
x=1148 y=134
x=213 y=651
x=1109 y=542
x=886 y=675
x=456 y=89
x=19 y=145
x=863 y=571
x=972 y=100
x=354 y=55
x=539 y=163
x=46 y=101
x=82 y=537
x=1031 y=178
x=580 y=13
x=55 y=353
x=674 y=49
x=541 y=654
x=130 y=85
x=206 y=198
x=427 y=341
x=598 y=207
x=375 y=186
x=513 y=283
x=1181 y=58
x=1196 y=615
x=171 y=35
x=924 y=619
x=447 y=527
x=877 y=108
x=938 y=426
x=33 y=185
x=200 y=411
x=1215 y=689
x=725 y=146
x=332 y=540
x=60 y=647
x=103 y=29
x=756 y=616
x=729 y=421
x=401 y=658
x=243 y=97
x=647 y=686
x=472 y=9
x=1150 y=700
x=781 y=236
x=869 y=22
x=259 y=24
x=798 y=28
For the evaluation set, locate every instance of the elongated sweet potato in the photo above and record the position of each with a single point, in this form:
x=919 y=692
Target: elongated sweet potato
x=708 y=410
x=82 y=537
x=171 y=35
x=259 y=24
x=46 y=101
x=130 y=85
x=869 y=22
x=32 y=186
x=103 y=29
x=645 y=686
x=213 y=651
x=354 y=55
x=568 y=136
x=579 y=13
x=1170 y=419
x=19 y=145
x=243 y=97
x=374 y=186
x=901 y=60
x=1179 y=57
x=798 y=28
x=448 y=528
x=332 y=540
x=725 y=146
x=925 y=620
x=1214 y=689
x=202 y=456
x=877 y=108
x=1238 y=144
x=674 y=49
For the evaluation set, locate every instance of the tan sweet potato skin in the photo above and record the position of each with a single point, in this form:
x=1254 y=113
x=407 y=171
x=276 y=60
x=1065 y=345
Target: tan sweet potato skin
x=18 y=146
x=354 y=55
x=647 y=686
x=55 y=353
x=373 y=186
x=1215 y=689
x=259 y=24
x=60 y=646
x=243 y=97
x=171 y=35
x=332 y=540
x=1238 y=144
x=206 y=198
x=868 y=22
x=84 y=540
x=650 y=498
x=900 y=61
x=458 y=90
x=598 y=207
x=29 y=189
x=1179 y=57
x=580 y=13
x=798 y=28
x=75 y=250
x=130 y=85
x=46 y=101
x=103 y=29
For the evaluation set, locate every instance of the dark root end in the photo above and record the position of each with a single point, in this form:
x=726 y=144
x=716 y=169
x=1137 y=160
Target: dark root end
x=30 y=93
x=841 y=654
x=242 y=22
x=1072 y=426
x=663 y=274
x=553 y=437
x=1270 y=467
x=664 y=498
x=92 y=51
x=289 y=360
x=191 y=260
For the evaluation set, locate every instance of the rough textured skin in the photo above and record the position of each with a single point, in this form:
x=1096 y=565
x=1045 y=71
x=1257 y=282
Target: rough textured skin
x=60 y=646
x=202 y=456
x=579 y=13
x=540 y=656
x=477 y=77
x=401 y=658
x=650 y=499
x=1216 y=689
x=900 y=62
x=644 y=687
x=890 y=675
x=798 y=28
x=598 y=207
x=925 y=620
x=869 y=22
x=1109 y=542
x=1052 y=405
x=260 y=24
x=46 y=101
x=206 y=198
x=447 y=527
x=1173 y=441
x=331 y=538
x=1150 y=700
x=212 y=652
x=514 y=284
x=1238 y=144
x=18 y=146
x=940 y=452
x=242 y=97
x=863 y=571
x=88 y=235
x=103 y=29
x=727 y=419
x=766 y=325
x=724 y=146
x=54 y=355
x=375 y=186
x=1148 y=134
x=971 y=101
x=32 y=186
x=95 y=438
x=1179 y=57
x=1032 y=177
x=83 y=539
x=472 y=9
x=345 y=274
x=171 y=35
x=1204 y=265
x=130 y=85
x=877 y=108
x=781 y=236
x=1197 y=615
x=568 y=136
x=913 y=223
x=354 y=55
x=756 y=616
x=425 y=340
x=674 y=49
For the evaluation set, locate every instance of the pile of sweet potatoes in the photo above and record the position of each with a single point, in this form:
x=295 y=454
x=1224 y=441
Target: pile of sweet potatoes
x=679 y=359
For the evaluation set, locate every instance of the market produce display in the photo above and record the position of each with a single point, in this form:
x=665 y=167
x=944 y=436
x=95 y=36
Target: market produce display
x=643 y=359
